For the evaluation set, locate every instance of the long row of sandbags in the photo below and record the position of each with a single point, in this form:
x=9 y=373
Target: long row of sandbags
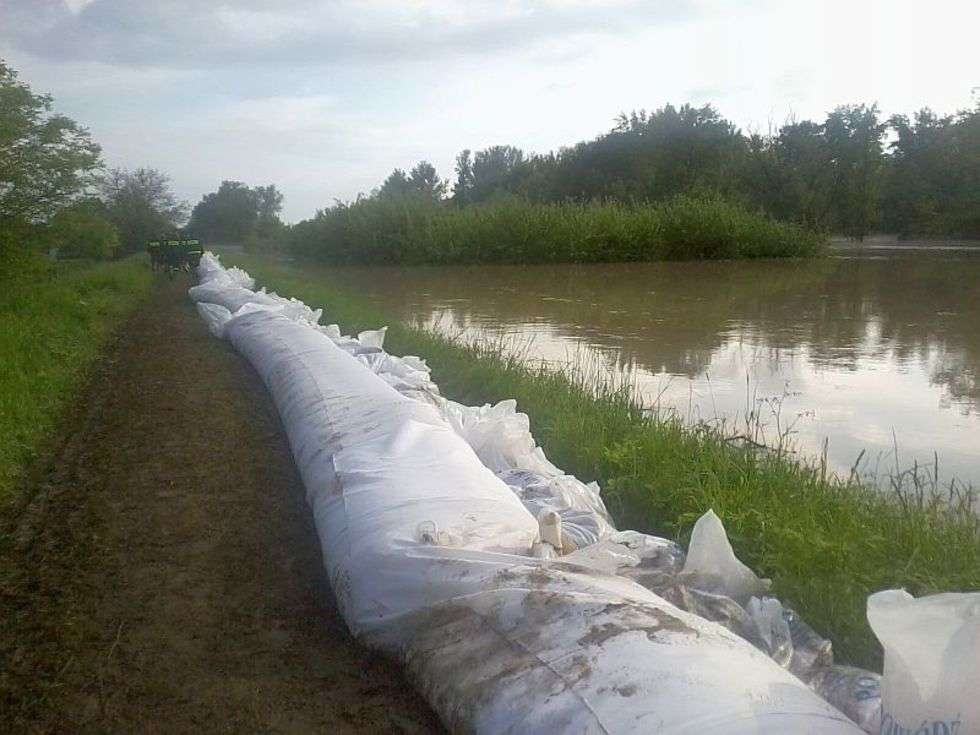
x=435 y=559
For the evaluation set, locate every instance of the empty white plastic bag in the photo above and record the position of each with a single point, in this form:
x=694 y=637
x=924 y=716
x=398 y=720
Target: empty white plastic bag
x=931 y=681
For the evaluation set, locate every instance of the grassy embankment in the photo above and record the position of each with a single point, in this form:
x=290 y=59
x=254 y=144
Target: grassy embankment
x=825 y=542
x=413 y=230
x=55 y=319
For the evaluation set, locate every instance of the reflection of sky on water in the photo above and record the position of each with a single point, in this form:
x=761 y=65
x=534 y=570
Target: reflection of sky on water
x=856 y=403
x=868 y=351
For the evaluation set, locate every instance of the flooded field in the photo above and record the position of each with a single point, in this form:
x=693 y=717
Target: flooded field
x=870 y=349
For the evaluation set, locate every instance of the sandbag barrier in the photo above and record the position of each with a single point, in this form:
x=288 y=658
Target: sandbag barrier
x=452 y=543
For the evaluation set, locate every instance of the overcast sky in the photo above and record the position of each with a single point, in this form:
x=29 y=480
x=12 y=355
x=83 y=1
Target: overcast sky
x=324 y=98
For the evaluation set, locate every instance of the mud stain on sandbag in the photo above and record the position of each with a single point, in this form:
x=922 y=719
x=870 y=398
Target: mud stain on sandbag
x=630 y=616
x=627 y=690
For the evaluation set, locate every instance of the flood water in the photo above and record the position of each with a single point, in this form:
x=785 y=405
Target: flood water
x=868 y=349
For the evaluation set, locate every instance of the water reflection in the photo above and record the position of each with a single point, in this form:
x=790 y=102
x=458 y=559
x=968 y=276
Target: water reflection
x=873 y=346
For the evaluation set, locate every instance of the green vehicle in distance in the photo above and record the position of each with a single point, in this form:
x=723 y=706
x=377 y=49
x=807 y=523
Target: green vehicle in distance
x=174 y=256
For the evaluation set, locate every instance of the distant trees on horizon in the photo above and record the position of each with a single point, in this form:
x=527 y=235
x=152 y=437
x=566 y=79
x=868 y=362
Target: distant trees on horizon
x=853 y=173
x=55 y=193
x=238 y=214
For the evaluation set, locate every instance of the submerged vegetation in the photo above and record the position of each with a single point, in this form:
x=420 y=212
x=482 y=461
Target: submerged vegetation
x=55 y=321
x=827 y=542
x=411 y=229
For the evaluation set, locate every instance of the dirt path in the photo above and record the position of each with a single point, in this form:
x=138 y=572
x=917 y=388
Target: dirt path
x=163 y=574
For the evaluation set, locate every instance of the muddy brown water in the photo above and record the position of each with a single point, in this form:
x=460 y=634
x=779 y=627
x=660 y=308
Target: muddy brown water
x=871 y=348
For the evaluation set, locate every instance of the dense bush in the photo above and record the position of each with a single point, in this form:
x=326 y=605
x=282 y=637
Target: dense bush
x=83 y=231
x=414 y=230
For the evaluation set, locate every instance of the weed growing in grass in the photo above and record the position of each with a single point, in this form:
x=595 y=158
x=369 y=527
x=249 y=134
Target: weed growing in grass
x=825 y=541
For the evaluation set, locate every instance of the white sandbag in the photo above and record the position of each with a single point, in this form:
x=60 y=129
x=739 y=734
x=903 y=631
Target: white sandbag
x=429 y=556
x=209 y=267
x=548 y=649
x=373 y=337
x=229 y=295
x=292 y=308
x=373 y=459
x=932 y=661
x=215 y=317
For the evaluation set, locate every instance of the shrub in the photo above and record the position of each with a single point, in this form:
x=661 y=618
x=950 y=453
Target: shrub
x=417 y=230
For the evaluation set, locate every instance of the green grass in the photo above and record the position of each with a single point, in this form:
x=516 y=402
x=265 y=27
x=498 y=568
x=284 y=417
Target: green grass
x=410 y=230
x=55 y=320
x=826 y=543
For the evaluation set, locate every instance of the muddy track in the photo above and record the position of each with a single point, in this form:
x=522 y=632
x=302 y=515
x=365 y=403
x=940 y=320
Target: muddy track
x=162 y=574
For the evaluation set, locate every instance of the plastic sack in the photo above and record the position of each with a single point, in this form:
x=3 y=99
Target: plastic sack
x=214 y=316
x=712 y=566
x=855 y=692
x=631 y=554
x=811 y=651
x=771 y=628
x=581 y=524
x=932 y=661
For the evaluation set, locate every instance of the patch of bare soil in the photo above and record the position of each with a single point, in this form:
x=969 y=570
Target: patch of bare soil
x=162 y=573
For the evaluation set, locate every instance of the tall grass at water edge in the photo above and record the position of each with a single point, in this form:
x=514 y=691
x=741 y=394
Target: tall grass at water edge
x=55 y=320
x=411 y=230
x=827 y=542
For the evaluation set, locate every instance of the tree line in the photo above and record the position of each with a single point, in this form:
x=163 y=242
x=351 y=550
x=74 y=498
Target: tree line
x=853 y=173
x=56 y=193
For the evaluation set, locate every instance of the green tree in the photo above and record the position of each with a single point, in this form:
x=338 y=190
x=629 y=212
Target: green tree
x=422 y=181
x=791 y=174
x=239 y=214
x=227 y=215
x=486 y=173
x=932 y=181
x=83 y=230
x=269 y=232
x=854 y=134
x=46 y=160
x=647 y=156
x=464 y=177
x=268 y=202
x=142 y=206
x=396 y=185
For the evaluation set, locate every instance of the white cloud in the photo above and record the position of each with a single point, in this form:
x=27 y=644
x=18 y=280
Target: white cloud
x=325 y=98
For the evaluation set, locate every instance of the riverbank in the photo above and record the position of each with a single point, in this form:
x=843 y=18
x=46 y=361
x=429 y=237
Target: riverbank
x=417 y=230
x=162 y=573
x=56 y=318
x=826 y=542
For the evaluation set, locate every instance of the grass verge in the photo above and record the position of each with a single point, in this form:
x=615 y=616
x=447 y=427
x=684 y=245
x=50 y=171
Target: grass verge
x=55 y=321
x=826 y=542
x=413 y=230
